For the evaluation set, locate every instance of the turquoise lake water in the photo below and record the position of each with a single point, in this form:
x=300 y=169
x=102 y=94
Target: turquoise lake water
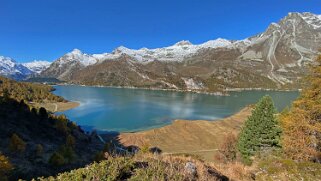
x=123 y=110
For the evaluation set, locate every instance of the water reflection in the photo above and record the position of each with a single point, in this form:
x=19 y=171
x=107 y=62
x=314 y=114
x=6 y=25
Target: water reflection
x=116 y=109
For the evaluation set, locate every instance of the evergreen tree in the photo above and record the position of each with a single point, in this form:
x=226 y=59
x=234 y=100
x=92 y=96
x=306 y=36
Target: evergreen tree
x=56 y=159
x=261 y=129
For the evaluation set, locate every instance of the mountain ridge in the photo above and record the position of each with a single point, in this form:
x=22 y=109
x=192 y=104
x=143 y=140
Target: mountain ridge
x=279 y=56
x=12 y=69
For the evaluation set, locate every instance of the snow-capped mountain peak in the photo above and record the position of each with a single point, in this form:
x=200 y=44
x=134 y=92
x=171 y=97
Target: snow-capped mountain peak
x=285 y=46
x=183 y=43
x=37 y=66
x=312 y=19
x=78 y=56
x=122 y=49
x=6 y=62
x=176 y=52
x=10 y=68
x=76 y=52
x=220 y=42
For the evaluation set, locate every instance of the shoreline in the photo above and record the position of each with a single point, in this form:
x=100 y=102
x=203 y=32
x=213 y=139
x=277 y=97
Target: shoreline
x=186 y=136
x=218 y=93
x=260 y=89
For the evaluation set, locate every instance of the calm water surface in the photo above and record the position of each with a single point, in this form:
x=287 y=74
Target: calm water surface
x=114 y=109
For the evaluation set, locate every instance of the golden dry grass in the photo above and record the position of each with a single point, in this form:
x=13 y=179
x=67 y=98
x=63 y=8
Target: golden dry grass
x=199 y=137
x=57 y=107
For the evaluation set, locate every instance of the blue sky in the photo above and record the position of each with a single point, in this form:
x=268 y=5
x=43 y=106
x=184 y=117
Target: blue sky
x=47 y=29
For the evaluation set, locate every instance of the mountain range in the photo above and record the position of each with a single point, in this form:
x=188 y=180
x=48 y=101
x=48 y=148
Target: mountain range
x=275 y=58
x=10 y=68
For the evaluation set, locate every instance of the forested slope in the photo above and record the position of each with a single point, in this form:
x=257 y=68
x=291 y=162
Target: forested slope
x=27 y=91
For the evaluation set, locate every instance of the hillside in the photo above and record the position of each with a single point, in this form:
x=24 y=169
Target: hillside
x=40 y=144
x=35 y=95
x=275 y=58
x=198 y=137
x=28 y=91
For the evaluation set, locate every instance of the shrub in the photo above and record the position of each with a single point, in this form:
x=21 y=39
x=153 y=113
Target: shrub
x=115 y=169
x=144 y=148
x=302 y=123
x=108 y=147
x=62 y=124
x=261 y=130
x=43 y=113
x=5 y=166
x=17 y=144
x=70 y=141
x=68 y=153
x=39 y=150
x=56 y=159
x=228 y=149
x=99 y=156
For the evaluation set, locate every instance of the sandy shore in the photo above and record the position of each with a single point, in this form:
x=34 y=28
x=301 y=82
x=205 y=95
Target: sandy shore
x=199 y=137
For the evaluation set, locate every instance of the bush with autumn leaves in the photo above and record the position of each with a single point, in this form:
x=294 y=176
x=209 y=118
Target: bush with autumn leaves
x=302 y=122
x=5 y=166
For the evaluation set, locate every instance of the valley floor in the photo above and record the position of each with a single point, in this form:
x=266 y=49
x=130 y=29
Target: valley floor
x=200 y=137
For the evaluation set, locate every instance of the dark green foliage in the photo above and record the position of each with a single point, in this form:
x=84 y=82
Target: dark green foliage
x=108 y=147
x=145 y=168
x=68 y=153
x=99 y=156
x=43 y=113
x=17 y=144
x=27 y=91
x=62 y=124
x=114 y=169
x=39 y=150
x=70 y=141
x=261 y=130
x=56 y=159
x=24 y=149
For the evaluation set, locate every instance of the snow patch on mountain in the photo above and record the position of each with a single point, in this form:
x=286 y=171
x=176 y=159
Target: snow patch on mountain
x=177 y=52
x=312 y=19
x=77 y=55
x=37 y=66
x=10 y=68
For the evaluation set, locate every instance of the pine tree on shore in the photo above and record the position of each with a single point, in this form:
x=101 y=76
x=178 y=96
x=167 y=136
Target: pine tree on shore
x=261 y=129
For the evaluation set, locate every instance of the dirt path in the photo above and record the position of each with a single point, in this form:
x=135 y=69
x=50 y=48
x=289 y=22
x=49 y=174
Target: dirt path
x=56 y=107
x=187 y=151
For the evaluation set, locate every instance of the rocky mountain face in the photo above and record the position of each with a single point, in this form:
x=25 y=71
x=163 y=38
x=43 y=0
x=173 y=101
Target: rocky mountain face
x=10 y=68
x=276 y=58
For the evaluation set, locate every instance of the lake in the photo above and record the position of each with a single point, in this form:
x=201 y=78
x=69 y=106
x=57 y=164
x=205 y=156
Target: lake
x=124 y=110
